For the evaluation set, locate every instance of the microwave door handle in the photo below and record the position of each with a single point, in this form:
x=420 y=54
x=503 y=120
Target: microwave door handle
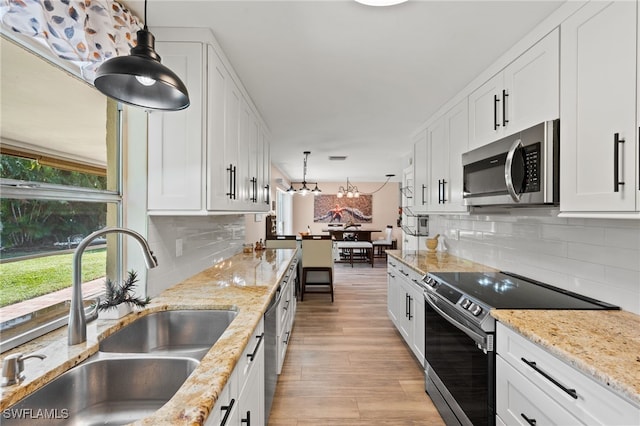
x=507 y=170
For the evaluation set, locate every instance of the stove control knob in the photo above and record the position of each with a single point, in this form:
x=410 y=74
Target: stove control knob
x=475 y=309
x=466 y=303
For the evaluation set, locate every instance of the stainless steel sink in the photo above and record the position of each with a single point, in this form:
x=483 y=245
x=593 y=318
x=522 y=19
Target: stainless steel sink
x=180 y=332
x=110 y=391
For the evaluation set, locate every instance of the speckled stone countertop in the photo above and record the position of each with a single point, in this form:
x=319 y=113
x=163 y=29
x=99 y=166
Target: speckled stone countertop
x=604 y=345
x=244 y=282
x=423 y=262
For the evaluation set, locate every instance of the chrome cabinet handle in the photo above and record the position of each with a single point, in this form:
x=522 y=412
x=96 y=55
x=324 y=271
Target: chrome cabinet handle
x=616 y=162
x=424 y=187
x=508 y=178
x=532 y=364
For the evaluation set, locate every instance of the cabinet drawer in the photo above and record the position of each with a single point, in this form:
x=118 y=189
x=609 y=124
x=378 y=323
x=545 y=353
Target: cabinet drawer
x=589 y=401
x=517 y=399
x=246 y=361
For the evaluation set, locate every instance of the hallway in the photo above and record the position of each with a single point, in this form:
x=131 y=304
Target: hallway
x=347 y=364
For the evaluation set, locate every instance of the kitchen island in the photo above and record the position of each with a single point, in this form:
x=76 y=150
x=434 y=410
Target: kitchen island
x=245 y=283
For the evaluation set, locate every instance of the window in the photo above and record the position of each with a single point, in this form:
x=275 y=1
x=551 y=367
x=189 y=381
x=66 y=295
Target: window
x=61 y=180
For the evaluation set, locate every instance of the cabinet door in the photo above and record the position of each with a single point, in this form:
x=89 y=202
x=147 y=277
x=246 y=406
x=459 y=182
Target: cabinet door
x=246 y=150
x=439 y=159
x=219 y=178
x=598 y=94
x=264 y=172
x=448 y=139
x=175 y=148
x=421 y=172
x=393 y=295
x=457 y=123
x=485 y=123
x=532 y=86
x=417 y=320
x=520 y=402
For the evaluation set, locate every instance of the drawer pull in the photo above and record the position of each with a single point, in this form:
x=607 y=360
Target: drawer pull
x=532 y=364
x=532 y=422
x=247 y=420
x=227 y=411
x=253 y=354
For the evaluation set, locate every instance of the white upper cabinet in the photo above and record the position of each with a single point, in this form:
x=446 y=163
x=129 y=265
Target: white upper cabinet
x=598 y=131
x=448 y=139
x=175 y=152
x=206 y=158
x=523 y=94
x=420 y=173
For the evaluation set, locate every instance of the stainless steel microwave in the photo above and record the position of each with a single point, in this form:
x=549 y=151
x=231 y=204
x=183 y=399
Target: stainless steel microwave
x=518 y=170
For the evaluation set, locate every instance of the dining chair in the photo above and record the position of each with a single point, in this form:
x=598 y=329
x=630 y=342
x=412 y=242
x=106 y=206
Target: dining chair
x=317 y=265
x=380 y=246
x=282 y=241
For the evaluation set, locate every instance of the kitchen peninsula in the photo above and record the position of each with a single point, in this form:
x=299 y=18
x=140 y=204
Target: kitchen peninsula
x=245 y=282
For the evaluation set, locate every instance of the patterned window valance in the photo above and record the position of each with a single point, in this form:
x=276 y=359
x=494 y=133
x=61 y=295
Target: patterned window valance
x=85 y=32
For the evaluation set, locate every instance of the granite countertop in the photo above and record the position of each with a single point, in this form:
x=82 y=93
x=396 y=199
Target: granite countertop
x=244 y=282
x=423 y=262
x=604 y=345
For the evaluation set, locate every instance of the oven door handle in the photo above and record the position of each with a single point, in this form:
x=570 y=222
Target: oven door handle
x=478 y=338
x=507 y=170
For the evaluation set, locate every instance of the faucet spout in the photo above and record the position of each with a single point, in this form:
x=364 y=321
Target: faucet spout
x=77 y=319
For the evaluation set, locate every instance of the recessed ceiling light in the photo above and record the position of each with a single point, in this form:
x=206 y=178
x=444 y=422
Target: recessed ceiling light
x=380 y=2
x=337 y=157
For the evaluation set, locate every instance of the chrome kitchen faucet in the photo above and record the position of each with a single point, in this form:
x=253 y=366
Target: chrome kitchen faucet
x=77 y=319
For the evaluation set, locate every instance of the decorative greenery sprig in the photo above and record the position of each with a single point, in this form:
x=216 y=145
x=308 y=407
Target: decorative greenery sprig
x=117 y=294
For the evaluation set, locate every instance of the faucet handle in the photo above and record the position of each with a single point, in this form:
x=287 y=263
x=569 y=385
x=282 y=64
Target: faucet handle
x=13 y=367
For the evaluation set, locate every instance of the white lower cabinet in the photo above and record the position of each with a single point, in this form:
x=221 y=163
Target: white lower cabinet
x=405 y=305
x=241 y=402
x=533 y=386
x=286 y=315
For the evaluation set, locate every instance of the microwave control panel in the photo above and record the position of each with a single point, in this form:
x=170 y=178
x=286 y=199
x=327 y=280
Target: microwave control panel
x=531 y=154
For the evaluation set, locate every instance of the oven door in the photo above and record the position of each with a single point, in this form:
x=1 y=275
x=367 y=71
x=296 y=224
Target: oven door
x=460 y=366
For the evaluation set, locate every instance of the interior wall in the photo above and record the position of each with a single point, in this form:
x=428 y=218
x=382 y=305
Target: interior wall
x=384 y=209
x=599 y=258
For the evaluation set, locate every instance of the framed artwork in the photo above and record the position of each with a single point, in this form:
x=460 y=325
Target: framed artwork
x=331 y=209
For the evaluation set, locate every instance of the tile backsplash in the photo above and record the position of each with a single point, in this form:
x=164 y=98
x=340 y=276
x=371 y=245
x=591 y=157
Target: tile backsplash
x=205 y=241
x=599 y=258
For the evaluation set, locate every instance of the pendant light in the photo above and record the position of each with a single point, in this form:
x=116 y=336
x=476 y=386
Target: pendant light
x=304 y=190
x=140 y=79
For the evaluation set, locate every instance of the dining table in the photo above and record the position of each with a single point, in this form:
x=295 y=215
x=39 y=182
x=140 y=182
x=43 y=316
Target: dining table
x=360 y=233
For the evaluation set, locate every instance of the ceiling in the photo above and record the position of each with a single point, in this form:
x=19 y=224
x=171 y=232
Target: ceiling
x=341 y=78
x=333 y=77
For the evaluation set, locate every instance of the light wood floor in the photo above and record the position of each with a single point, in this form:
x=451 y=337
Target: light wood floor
x=346 y=363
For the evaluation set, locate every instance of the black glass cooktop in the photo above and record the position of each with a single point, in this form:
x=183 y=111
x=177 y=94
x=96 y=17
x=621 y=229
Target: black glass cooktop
x=503 y=290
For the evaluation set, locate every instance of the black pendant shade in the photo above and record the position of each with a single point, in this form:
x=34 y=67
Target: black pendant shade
x=141 y=80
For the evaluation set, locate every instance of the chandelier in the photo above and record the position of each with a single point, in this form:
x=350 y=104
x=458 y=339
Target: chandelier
x=304 y=190
x=351 y=191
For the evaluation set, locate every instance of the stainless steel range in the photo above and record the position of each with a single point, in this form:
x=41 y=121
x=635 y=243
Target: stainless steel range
x=460 y=332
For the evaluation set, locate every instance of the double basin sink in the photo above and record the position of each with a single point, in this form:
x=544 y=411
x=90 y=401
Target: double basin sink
x=136 y=371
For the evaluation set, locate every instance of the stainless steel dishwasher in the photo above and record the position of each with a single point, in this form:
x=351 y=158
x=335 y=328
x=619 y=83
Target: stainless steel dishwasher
x=270 y=352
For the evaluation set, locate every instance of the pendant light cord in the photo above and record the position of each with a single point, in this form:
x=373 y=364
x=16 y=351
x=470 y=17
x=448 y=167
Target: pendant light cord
x=145 y=15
